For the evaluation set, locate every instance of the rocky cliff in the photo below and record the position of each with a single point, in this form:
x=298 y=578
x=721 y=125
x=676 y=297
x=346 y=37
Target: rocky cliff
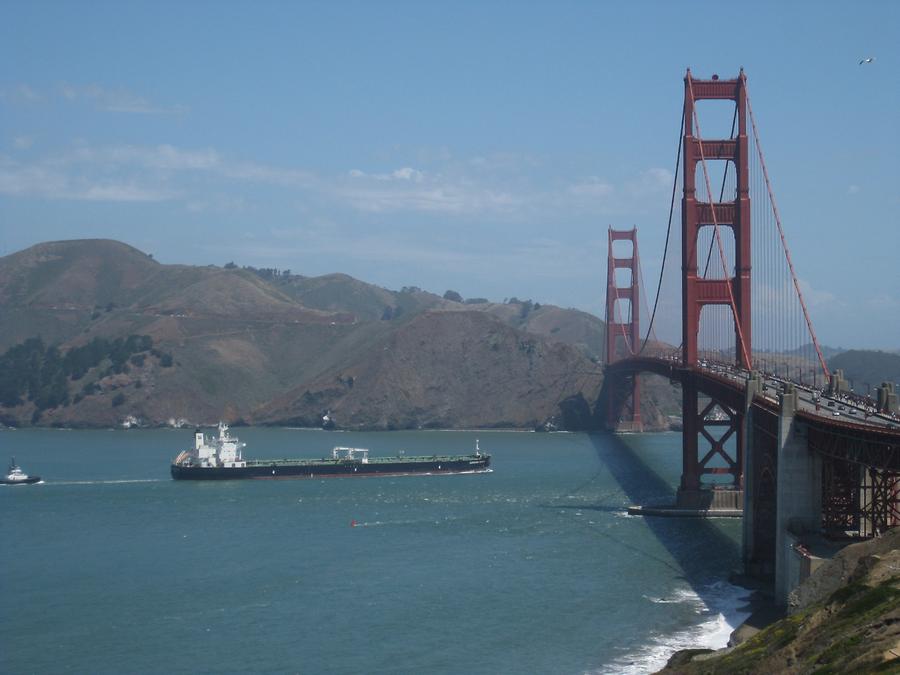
x=844 y=619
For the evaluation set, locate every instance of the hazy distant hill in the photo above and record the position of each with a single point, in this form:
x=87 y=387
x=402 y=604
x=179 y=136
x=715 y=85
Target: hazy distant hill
x=808 y=348
x=263 y=346
x=865 y=367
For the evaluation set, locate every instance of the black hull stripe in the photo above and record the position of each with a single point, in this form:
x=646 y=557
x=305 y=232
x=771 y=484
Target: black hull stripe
x=295 y=472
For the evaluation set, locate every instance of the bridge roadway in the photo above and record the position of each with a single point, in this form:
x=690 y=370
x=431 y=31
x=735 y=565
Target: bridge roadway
x=834 y=473
x=728 y=383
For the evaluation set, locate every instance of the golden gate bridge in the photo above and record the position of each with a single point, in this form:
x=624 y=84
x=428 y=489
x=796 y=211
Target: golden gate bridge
x=767 y=432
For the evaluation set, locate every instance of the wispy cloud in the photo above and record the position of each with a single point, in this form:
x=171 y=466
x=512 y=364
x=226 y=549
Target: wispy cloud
x=123 y=192
x=815 y=297
x=20 y=93
x=653 y=181
x=884 y=303
x=116 y=100
x=404 y=174
x=196 y=176
x=52 y=182
x=22 y=142
x=168 y=158
x=409 y=189
x=138 y=173
x=592 y=187
x=543 y=257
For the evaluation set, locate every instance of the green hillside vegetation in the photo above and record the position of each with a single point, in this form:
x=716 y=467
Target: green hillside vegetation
x=865 y=367
x=45 y=376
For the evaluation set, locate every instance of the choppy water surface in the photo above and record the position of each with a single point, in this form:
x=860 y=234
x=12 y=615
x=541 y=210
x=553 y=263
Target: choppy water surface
x=110 y=566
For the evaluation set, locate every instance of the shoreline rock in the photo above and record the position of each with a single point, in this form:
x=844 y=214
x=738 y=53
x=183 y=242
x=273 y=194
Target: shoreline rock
x=844 y=618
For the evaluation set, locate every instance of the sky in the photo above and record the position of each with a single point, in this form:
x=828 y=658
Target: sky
x=483 y=147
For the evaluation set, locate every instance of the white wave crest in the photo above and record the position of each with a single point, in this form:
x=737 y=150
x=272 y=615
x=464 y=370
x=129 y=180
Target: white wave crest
x=722 y=602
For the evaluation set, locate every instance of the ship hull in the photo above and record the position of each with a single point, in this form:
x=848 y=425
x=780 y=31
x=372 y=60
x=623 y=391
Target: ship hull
x=31 y=480
x=284 y=469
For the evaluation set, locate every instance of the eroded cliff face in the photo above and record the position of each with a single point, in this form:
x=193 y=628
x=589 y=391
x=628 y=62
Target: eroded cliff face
x=844 y=619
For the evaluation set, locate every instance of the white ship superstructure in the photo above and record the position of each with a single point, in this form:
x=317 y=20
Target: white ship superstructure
x=214 y=451
x=15 y=476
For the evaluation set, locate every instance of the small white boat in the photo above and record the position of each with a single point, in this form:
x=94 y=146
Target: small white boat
x=15 y=476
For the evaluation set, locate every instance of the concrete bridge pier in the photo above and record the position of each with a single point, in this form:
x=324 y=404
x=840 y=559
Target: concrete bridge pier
x=798 y=497
x=754 y=387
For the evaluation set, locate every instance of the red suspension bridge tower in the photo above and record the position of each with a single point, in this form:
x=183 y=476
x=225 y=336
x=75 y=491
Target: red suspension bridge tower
x=698 y=292
x=623 y=333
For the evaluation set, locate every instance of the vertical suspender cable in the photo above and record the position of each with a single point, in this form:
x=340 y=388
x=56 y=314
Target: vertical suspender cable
x=787 y=252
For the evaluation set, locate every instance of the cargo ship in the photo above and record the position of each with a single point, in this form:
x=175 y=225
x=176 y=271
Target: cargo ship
x=221 y=457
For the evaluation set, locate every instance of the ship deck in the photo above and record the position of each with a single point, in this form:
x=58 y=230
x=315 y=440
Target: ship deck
x=328 y=461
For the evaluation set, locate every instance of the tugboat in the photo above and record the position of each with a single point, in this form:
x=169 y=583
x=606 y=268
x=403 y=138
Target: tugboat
x=220 y=458
x=15 y=476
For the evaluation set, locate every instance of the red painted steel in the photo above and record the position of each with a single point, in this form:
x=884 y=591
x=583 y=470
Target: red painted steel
x=626 y=389
x=698 y=292
x=861 y=463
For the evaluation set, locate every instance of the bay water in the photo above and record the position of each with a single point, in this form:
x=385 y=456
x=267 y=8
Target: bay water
x=110 y=566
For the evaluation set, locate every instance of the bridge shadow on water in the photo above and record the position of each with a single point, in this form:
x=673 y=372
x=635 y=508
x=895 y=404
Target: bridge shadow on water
x=694 y=544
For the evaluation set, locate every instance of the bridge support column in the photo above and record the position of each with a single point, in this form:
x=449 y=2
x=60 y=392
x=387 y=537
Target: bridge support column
x=716 y=422
x=798 y=497
x=690 y=463
x=748 y=548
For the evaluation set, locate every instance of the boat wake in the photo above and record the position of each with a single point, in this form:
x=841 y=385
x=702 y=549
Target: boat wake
x=454 y=473
x=106 y=482
x=385 y=523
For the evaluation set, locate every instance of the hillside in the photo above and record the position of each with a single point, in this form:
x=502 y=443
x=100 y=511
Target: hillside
x=866 y=367
x=844 y=619
x=269 y=347
x=481 y=372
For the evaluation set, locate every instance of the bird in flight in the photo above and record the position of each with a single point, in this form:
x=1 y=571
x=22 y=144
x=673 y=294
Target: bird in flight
x=867 y=60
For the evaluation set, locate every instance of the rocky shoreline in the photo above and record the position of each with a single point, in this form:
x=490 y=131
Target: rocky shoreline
x=844 y=618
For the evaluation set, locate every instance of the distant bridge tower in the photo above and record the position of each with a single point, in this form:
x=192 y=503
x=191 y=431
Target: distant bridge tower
x=623 y=334
x=732 y=291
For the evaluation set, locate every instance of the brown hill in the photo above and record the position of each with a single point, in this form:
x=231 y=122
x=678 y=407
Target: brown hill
x=87 y=272
x=480 y=373
x=343 y=293
x=867 y=368
x=258 y=346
